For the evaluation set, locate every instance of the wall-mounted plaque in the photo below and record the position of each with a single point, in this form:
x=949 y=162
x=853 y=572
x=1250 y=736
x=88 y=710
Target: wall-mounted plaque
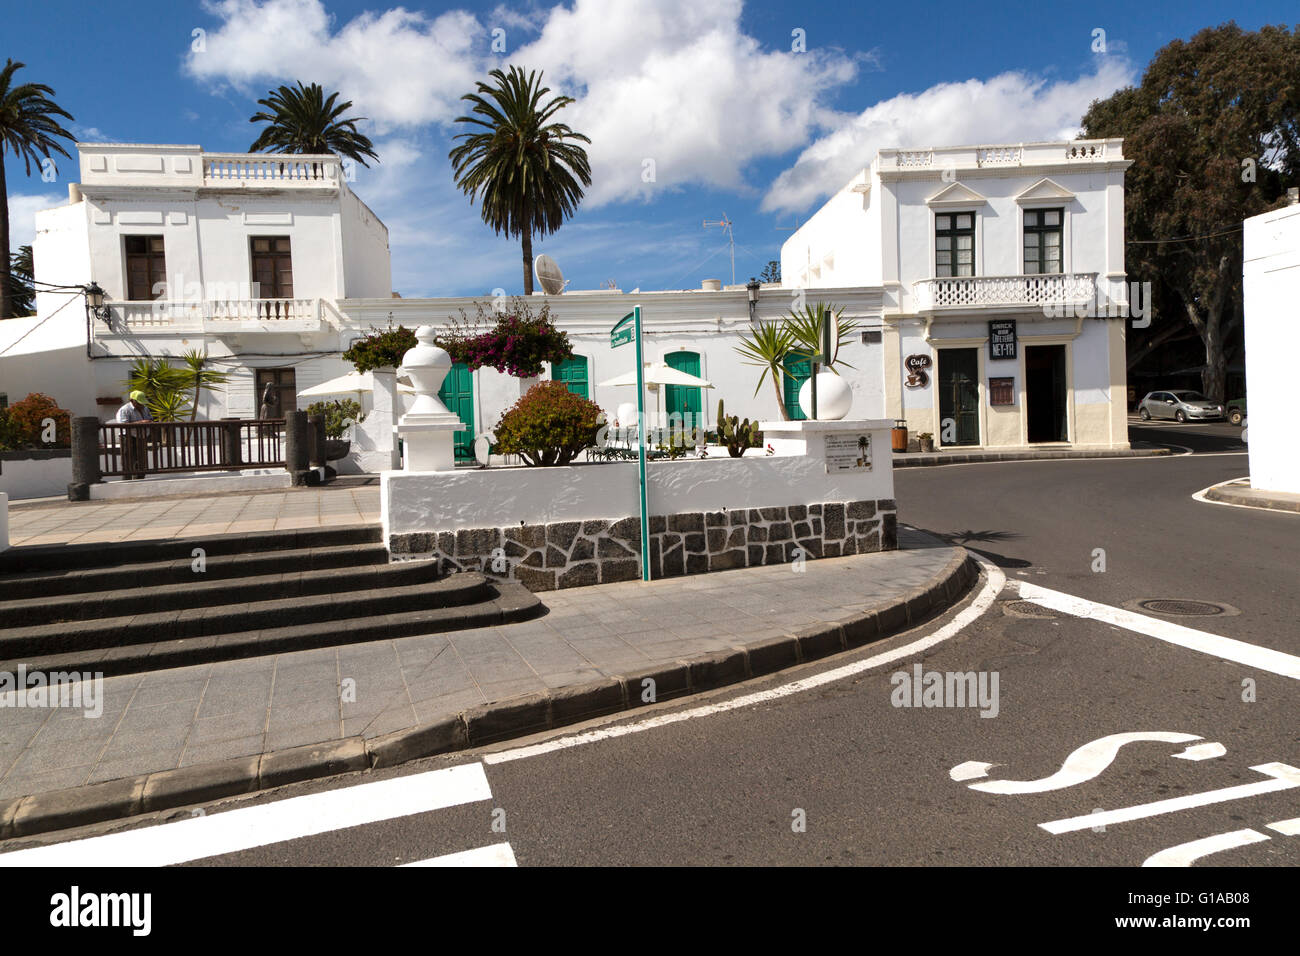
x=1002 y=391
x=1002 y=338
x=848 y=452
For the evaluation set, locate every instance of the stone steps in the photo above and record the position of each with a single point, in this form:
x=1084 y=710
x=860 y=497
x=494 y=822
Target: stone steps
x=136 y=606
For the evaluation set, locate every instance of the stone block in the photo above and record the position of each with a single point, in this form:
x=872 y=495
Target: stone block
x=627 y=529
x=580 y=575
x=715 y=519
x=534 y=579
x=582 y=549
x=889 y=533
x=594 y=528
x=802 y=529
x=697 y=563
x=674 y=562
x=779 y=531
x=833 y=515
x=620 y=569
x=609 y=548
x=757 y=532
x=693 y=521
x=727 y=560
x=861 y=509
x=736 y=539
x=696 y=542
x=831 y=549
x=812 y=547
x=717 y=539
x=529 y=535
x=555 y=558
x=798 y=512
x=738 y=517
x=774 y=514
x=562 y=533
x=473 y=541
x=775 y=554
x=447 y=542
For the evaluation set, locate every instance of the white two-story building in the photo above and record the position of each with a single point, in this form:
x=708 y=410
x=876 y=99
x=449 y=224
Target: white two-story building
x=1002 y=275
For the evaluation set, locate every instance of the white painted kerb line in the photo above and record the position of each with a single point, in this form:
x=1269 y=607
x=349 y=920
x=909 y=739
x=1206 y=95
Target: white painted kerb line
x=498 y=854
x=1185 y=854
x=1227 y=648
x=996 y=580
x=233 y=830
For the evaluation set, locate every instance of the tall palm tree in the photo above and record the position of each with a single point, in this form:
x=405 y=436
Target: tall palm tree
x=304 y=120
x=28 y=126
x=22 y=292
x=529 y=172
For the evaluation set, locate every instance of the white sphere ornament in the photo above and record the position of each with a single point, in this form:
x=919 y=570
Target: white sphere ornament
x=834 y=397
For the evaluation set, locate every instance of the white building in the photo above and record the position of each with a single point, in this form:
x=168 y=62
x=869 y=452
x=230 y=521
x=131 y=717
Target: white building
x=1030 y=235
x=1270 y=289
x=273 y=266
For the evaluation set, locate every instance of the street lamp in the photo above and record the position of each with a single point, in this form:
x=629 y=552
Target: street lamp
x=752 y=287
x=95 y=301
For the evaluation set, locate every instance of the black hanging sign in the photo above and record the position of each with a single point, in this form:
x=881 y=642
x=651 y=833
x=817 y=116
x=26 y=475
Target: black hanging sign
x=1002 y=338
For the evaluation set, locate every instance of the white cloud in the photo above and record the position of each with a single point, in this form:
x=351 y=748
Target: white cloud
x=22 y=214
x=1011 y=107
x=674 y=81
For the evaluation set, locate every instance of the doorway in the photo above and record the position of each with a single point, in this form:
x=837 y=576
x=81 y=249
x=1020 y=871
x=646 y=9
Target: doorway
x=457 y=394
x=797 y=371
x=959 y=397
x=573 y=373
x=684 y=400
x=1045 y=390
x=283 y=388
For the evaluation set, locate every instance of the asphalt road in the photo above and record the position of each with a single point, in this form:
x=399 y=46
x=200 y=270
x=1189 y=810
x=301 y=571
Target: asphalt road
x=841 y=774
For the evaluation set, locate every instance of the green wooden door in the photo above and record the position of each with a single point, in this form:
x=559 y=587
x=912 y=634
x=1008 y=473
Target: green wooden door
x=684 y=399
x=573 y=373
x=959 y=396
x=457 y=393
x=797 y=371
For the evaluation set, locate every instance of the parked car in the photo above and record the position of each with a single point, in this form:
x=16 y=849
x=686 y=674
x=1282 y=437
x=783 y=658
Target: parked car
x=1236 y=410
x=1181 y=405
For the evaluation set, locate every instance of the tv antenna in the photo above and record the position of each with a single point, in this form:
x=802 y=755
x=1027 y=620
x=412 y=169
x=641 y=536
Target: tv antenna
x=726 y=224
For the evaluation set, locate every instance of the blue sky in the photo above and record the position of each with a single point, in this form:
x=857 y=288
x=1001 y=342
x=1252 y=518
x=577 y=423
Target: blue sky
x=734 y=119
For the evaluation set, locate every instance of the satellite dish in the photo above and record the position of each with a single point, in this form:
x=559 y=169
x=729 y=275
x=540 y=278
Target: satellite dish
x=548 y=273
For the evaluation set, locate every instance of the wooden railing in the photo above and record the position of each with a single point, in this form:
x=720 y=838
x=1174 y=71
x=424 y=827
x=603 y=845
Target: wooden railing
x=157 y=448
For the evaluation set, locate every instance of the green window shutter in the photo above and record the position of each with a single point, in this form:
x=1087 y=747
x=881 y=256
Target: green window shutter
x=797 y=371
x=683 y=399
x=573 y=373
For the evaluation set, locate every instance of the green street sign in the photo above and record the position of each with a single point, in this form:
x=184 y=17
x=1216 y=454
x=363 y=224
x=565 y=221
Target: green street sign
x=623 y=332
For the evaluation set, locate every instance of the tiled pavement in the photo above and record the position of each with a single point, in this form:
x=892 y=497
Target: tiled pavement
x=209 y=712
x=60 y=522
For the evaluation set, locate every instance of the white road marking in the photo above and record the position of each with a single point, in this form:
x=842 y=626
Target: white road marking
x=1083 y=764
x=1287 y=827
x=230 y=831
x=1284 y=777
x=498 y=854
x=996 y=580
x=970 y=770
x=1226 y=648
x=1202 y=752
x=1185 y=854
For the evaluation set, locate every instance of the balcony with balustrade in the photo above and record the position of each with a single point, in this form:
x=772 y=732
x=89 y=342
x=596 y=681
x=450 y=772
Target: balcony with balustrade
x=216 y=316
x=110 y=166
x=1049 y=292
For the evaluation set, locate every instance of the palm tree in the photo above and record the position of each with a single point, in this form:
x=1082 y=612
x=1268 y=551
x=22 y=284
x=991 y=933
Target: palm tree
x=303 y=120
x=526 y=170
x=200 y=378
x=767 y=349
x=22 y=292
x=27 y=127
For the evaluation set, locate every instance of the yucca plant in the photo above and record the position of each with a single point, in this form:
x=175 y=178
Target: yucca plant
x=767 y=349
x=805 y=327
x=154 y=375
x=169 y=405
x=200 y=378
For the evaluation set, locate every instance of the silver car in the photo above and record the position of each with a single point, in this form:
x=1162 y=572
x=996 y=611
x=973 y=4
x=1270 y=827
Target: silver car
x=1180 y=405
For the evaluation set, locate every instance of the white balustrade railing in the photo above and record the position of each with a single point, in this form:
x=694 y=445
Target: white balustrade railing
x=228 y=169
x=166 y=313
x=992 y=291
x=998 y=156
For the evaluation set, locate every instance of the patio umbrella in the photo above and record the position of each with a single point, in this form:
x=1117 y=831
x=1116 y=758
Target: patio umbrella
x=658 y=373
x=353 y=382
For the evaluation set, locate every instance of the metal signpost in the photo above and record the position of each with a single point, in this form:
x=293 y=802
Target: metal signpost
x=626 y=330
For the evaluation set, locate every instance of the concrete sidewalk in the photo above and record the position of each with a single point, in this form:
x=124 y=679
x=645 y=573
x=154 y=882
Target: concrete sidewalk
x=58 y=521
x=753 y=621
x=1239 y=492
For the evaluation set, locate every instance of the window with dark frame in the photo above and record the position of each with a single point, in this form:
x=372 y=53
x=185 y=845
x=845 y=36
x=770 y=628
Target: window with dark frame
x=272 y=266
x=1043 y=235
x=954 y=244
x=146 y=268
x=1002 y=391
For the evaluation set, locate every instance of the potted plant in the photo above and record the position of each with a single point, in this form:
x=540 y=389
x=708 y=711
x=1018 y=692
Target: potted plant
x=340 y=415
x=382 y=349
x=925 y=440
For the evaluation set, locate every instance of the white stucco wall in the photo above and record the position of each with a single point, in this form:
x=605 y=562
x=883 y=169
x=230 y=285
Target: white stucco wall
x=367 y=268
x=498 y=497
x=1271 y=289
x=35 y=477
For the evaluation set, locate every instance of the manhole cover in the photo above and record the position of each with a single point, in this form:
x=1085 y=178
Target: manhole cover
x=1185 y=608
x=1026 y=609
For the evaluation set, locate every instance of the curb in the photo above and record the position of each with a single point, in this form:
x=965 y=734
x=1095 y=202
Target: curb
x=1242 y=498
x=485 y=724
x=927 y=460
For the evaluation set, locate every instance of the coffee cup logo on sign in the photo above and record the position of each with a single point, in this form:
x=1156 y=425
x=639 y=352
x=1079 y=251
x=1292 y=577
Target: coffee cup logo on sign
x=916 y=374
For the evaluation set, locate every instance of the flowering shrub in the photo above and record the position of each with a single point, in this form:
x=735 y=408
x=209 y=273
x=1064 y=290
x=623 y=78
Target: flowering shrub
x=548 y=426
x=22 y=424
x=382 y=348
x=339 y=415
x=517 y=343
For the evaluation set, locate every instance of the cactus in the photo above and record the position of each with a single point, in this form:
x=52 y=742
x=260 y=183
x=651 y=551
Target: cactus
x=737 y=435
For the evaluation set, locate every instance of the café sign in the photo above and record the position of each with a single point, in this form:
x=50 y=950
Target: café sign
x=1002 y=338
